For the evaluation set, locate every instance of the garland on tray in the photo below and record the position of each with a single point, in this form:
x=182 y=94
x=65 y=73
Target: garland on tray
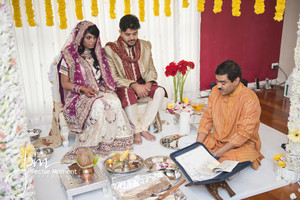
x=16 y=178
x=168 y=8
x=112 y=7
x=156 y=7
x=30 y=13
x=200 y=5
x=78 y=9
x=49 y=13
x=127 y=10
x=142 y=10
x=259 y=7
x=62 y=14
x=94 y=8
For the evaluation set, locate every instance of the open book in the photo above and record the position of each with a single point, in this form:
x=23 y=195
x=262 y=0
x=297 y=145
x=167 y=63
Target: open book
x=200 y=165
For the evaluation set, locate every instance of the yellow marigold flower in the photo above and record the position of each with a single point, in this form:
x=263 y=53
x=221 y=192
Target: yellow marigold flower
x=280 y=7
x=49 y=13
x=278 y=156
x=171 y=105
x=259 y=7
x=281 y=164
x=156 y=7
x=94 y=8
x=168 y=8
x=17 y=13
x=112 y=4
x=142 y=10
x=236 y=6
x=185 y=3
x=185 y=100
x=127 y=7
x=217 y=6
x=200 y=5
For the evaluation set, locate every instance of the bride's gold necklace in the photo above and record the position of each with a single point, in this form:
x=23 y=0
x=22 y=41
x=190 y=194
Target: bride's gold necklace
x=87 y=54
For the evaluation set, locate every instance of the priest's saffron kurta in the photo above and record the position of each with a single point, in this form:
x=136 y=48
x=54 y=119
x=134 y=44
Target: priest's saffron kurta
x=235 y=119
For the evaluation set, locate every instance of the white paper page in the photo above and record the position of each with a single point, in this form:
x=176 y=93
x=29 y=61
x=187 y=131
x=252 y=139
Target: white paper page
x=226 y=166
x=198 y=163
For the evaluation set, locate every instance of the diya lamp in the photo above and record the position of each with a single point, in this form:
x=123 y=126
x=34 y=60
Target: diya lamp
x=86 y=162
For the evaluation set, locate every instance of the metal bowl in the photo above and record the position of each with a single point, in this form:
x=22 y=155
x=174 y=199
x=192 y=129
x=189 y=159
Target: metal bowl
x=43 y=153
x=34 y=133
x=172 y=174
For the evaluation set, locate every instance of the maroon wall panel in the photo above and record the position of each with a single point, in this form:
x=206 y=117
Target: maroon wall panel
x=253 y=41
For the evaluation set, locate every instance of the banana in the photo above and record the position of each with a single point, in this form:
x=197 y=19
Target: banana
x=124 y=155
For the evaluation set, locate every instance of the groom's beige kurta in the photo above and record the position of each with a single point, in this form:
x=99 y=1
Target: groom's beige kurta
x=147 y=69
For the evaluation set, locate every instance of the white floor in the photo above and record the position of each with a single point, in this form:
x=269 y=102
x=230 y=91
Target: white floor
x=247 y=183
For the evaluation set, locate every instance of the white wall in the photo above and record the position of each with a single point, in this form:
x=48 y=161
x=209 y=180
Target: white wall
x=289 y=38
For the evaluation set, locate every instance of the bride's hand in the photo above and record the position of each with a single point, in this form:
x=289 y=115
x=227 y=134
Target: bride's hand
x=88 y=92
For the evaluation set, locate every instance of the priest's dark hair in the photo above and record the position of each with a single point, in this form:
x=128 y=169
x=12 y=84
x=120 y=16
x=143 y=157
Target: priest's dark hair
x=230 y=68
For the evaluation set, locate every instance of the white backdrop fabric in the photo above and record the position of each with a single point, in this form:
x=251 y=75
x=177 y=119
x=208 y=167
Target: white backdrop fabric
x=173 y=39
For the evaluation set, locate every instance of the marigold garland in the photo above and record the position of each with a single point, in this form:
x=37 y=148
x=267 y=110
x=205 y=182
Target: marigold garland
x=156 y=7
x=168 y=8
x=259 y=7
x=17 y=13
x=236 y=6
x=142 y=10
x=200 y=5
x=217 y=6
x=280 y=7
x=112 y=6
x=49 y=13
x=185 y=3
x=127 y=10
x=62 y=14
x=78 y=9
x=30 y=13
x=94 y=8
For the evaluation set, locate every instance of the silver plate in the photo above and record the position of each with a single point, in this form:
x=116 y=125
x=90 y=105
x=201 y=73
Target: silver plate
x=170 y=141
x=43 y=153
x=34 y=133
x=124 y=167
x=156 y=163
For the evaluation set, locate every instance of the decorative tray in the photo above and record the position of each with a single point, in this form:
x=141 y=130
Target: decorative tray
x=156 y=163
x=170 y=141
x=130 y=164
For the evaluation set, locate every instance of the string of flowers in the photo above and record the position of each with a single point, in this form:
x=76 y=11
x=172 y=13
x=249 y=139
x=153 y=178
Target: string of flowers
x=168 y=8
x=30 y=13
x=127 y=10
x=94 y=8
x=49 y=13
x=259 y=7
x=236 y=6
x=200 y=5
x=142 y=10
x=217 y=6
x=179 y=72
x=156 y=7
x=280 y=7
x=294 y=118
x=112 y=6
x=62 y=14
x=17 y=13
x=15 y=182
x=78 y=9
x=185 y=3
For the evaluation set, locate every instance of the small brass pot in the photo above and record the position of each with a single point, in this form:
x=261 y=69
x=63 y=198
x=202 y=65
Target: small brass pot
x=86 y=174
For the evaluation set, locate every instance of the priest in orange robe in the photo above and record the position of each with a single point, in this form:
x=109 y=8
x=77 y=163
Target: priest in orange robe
x=229 y=126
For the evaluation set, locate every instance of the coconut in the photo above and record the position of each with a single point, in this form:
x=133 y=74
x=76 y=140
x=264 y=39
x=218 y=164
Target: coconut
x=85 y=158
